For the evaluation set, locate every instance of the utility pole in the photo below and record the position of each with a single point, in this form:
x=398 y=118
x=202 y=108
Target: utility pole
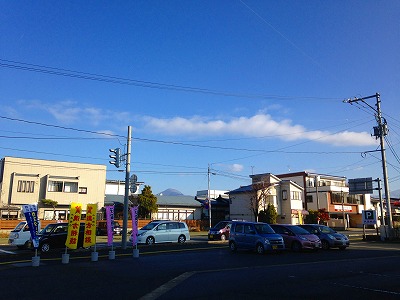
x=126 y=196
x=380 y=131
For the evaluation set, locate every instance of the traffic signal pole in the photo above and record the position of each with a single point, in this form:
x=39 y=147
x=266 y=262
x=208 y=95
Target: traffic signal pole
x=126 y=196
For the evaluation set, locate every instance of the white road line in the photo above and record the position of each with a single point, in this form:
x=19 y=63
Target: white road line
x=8 y=252
x=167 y=286
x=368 y=289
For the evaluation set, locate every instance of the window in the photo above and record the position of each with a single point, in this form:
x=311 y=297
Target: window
x=82 y=190
x=70 y=187
x=55 y=186
x=309 y=199
x=295 y=195
x=284 y=194
x=239 y=228
x=25 y=186
x=61 y=186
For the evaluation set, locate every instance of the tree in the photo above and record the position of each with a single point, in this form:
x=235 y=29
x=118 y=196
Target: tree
x=259 y=199
x=147 y=203
x=51 y=203
x=314 y=216
x=268 y=215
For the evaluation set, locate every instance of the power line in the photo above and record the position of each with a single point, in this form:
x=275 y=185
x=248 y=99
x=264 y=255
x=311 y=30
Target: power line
x=139 y=83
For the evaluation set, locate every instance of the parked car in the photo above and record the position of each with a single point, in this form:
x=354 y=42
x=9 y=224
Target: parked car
x=101 y=228
x=297 y=238
x=220 y=231
x=329 y=237
x=163 y=232
x=54 y=236
x=20 y=235
x=255 y=236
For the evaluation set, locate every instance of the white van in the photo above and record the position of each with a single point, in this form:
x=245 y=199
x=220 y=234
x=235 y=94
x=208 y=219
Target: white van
x=163 y=232
x=20 y=235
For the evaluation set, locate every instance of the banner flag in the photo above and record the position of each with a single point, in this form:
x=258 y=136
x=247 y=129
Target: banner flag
x=89 y=237
x=110 y=224
x=31 y=214
x=134 y=215
x=74 y=223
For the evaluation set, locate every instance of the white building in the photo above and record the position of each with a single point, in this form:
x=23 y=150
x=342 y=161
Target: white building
x=285 y=195
x=331 y=193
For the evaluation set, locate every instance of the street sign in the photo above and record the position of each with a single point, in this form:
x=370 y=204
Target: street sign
x=369 y=216
x=361 y=186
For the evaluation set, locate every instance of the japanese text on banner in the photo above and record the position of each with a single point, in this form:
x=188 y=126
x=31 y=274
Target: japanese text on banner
x=110 y=224
x=89 y=237
x=74 y=223
x=134 y=215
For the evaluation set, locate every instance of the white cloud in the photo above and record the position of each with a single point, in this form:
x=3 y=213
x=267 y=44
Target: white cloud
x=259 y=125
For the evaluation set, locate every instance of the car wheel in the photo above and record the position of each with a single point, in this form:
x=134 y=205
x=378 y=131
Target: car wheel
x=223 y=237
x=181 y=239
x=150 y=240
x=296 y=247
x=325 y=245
x=45 y=247
x=260 y=249
x=232 y=246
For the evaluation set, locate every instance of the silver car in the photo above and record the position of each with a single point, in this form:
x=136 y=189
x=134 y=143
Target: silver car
x=163 y=232
x=329 y=237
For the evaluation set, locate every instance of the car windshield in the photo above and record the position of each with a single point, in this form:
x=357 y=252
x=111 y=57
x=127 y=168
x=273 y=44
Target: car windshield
x=326 y=229
x=47 y=229
x=220 y=225
x=149 y=226
x=264 y=228
x=19 y=226
x=298 y=230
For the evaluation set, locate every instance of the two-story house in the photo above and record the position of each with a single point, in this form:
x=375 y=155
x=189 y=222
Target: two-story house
x=331 y=193
x=285 y=195
x=28 y=181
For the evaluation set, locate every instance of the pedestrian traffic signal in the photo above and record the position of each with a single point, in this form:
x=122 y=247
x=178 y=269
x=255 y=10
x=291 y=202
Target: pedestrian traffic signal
x=116 y=157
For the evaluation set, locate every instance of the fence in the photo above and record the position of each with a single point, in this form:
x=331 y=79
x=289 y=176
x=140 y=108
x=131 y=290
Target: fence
x=194 y=225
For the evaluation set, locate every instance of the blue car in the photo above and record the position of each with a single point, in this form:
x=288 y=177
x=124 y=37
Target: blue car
x=329 y=237
x=254 y=236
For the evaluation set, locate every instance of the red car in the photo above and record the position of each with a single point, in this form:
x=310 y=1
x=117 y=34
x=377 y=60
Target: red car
x=297 y=238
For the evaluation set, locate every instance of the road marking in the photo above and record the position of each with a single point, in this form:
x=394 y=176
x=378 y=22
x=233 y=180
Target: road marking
x=167 y=286
x=367 y=289
x=8 y=252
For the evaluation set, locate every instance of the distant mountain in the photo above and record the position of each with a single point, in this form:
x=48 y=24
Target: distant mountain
x=170 y=192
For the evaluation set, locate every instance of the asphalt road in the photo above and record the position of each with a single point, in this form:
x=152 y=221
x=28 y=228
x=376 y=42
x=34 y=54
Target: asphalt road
x=201 y=270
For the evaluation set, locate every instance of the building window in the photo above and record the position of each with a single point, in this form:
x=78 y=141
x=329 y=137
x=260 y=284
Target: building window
x=309 y=199
x=55 y=186
x=70 y=187
x=295 y=195
x=82 y=190
x=25 y=186
x=284 y=194
x=61 y=186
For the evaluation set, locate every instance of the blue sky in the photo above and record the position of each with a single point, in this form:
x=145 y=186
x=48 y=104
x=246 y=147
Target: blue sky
x=243 y=86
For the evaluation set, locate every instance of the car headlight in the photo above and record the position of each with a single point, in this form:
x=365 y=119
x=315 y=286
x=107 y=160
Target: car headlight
x=303 y=238
x=331 y=236
x=141 y=234
x=266 y=241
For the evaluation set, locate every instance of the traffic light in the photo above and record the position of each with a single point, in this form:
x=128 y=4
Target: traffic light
x=116 y=157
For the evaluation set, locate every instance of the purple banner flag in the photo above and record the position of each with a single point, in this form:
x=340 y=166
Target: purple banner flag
x=134 y=214
x=110 y=224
